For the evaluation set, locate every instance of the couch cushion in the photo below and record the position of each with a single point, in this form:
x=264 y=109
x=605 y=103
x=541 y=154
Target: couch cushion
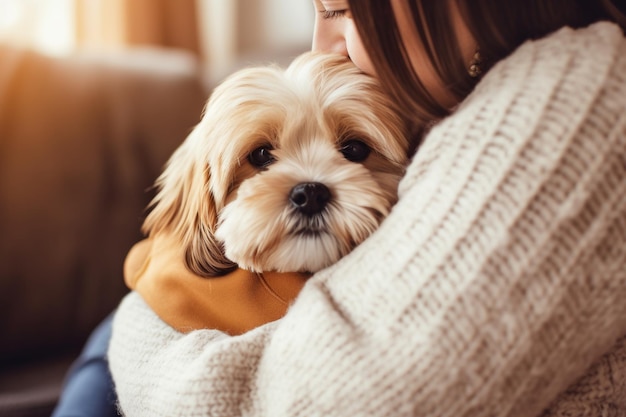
x=81 y=140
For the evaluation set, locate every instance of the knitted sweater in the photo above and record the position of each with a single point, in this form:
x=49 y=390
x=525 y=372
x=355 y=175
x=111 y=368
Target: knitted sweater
x=497 y=282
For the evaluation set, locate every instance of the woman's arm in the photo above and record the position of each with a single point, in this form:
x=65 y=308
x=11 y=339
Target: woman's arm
x=495 y=283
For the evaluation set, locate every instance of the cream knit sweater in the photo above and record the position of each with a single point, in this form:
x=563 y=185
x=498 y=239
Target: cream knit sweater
x=497 y=282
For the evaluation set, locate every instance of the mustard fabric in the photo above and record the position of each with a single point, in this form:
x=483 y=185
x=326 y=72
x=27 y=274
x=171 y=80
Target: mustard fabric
x=234 y=303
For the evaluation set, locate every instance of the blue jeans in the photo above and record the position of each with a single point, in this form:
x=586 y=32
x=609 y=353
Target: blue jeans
x=88 y=389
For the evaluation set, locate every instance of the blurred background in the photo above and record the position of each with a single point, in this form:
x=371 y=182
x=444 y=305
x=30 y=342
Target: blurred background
x=94 y=97
x=219 y=32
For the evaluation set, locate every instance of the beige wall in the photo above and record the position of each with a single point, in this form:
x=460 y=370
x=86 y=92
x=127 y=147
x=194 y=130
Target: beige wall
x=253 y=29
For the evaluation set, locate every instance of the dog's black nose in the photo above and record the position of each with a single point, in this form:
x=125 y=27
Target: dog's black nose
x=310 y=197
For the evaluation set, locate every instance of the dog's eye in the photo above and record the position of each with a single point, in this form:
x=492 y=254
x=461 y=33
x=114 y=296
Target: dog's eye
x=355 y=151
x=261 y=157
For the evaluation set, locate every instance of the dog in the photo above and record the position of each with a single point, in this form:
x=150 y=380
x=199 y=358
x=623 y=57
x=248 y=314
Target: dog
x=287 y=171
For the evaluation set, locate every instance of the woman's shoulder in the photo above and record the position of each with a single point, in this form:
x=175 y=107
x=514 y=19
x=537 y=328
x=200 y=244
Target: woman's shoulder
x=601 y=42
x=569 y=64
x=594 y=48
x=603 y=32
x=544 y=95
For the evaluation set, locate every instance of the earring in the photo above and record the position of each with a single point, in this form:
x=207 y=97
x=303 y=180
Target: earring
x=474 y=68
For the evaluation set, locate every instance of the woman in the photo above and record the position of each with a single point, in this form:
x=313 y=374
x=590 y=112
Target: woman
x=498 y=280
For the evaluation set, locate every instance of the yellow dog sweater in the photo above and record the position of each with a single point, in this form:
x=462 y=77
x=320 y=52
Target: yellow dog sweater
x=233 y=303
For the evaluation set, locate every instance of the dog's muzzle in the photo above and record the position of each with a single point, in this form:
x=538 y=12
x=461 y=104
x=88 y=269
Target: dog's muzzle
x=309 y=198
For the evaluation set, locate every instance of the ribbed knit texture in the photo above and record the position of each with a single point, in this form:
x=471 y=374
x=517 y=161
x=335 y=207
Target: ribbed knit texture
x=496 y=287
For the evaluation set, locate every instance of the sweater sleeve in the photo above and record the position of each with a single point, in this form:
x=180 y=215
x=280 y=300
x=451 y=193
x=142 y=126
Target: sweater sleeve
x=496 y=282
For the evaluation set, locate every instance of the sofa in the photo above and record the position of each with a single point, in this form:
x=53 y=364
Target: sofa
x=82 y=139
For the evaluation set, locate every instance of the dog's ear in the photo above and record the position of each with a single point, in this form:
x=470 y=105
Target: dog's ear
x=185 y=207
x=204 y=255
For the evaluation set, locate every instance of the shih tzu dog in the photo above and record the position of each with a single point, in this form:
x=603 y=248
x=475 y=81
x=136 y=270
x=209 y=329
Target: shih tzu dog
x=287 y=171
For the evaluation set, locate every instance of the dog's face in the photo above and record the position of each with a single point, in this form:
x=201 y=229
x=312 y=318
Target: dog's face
x=288 y=170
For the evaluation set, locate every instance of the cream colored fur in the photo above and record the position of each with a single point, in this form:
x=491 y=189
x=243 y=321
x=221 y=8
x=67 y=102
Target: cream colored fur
x=228 y=212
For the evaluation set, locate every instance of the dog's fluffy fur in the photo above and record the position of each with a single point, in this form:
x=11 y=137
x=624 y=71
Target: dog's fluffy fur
x=229 y=210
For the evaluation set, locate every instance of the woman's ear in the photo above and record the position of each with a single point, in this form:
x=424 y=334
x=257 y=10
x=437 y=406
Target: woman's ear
x=185 y=208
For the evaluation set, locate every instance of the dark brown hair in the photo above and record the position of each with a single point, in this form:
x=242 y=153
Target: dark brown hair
x=497 y=26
